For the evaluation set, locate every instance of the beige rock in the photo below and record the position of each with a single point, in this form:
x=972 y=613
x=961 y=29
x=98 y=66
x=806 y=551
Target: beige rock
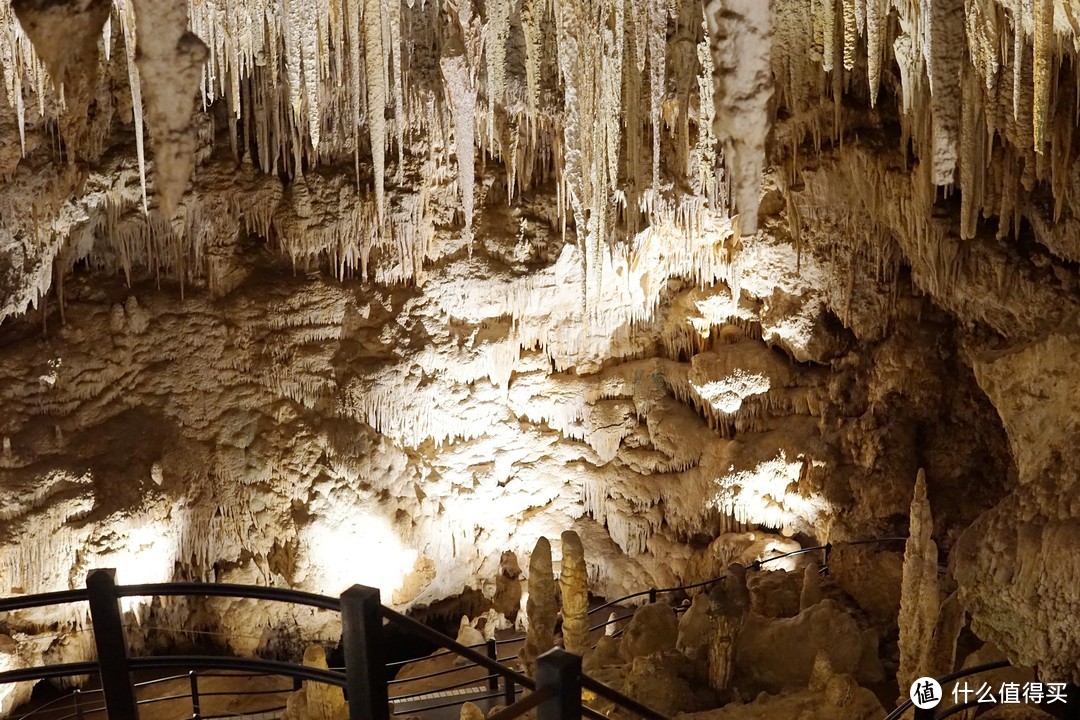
x=316 y=701
x=542 y=605
x=654 y=628
x=470 y=711
x=507 y=598
x=696 y=627
x=871 y=576
x=574 y=583
x=920 y=594
x=774 y=593
x=824 y=627
x=811 y=586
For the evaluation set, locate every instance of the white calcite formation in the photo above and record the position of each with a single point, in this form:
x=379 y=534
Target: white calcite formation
x=309 y=294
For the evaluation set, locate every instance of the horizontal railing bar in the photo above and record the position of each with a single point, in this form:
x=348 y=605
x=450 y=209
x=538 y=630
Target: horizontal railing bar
x=84 y=711
x=232 y=715
x=273 y=667
x=906 y=705
x=618 y=698
x=62 y=597
x=524 y=705
x=155 y=681
x=398 y=681
x=444 y=688
x=255 y=592
x=235 y=693
x=49 y=671
x=464 y=699
x=610 y=622
x=163 y=698
x=432 y=656
x=418 y=628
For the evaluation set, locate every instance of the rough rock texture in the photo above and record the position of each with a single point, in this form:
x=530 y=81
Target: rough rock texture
x=427 y=281
x=574 y=587
x=653 y=629
x=822 y=627
x=920 y=592
x=316 y=701
x=542 y=606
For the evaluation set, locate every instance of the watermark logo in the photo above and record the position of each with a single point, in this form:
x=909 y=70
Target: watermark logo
x=925 y=693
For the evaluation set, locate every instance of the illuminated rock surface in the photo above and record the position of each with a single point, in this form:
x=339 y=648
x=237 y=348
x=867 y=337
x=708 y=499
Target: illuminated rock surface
x=309 y=294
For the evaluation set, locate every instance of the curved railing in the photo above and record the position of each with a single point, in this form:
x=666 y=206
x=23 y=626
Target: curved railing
x=365 y=675
x=929 y=714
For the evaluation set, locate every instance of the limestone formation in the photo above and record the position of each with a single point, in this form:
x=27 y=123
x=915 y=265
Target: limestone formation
x=542 y=606
x=413 y=284
x=574 y=586
x=811 y=586
x=920 y=593
x=507 y=598
x=696 y=629
x=653 y=629
x=316 y=701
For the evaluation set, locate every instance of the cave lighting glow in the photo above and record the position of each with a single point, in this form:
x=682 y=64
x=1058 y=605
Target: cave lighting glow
x=769 y=496
x=355 y=547
x=148 y=555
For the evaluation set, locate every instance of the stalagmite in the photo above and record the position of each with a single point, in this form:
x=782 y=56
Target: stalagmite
x=507 y=598
x=730 y=605
x=920 y=595
x=169 y=68
x=542 y=606
x=811 y=586
x=315 y=699
x=574 y=583
x=740 y=33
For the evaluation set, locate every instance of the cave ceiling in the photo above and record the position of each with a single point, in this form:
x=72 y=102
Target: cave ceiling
x=428 y=280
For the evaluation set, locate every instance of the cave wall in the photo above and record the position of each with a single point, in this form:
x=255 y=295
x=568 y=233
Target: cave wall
x=290 y=337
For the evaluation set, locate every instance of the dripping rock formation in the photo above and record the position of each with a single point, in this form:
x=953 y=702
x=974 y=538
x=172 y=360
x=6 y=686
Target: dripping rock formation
x=307 y=294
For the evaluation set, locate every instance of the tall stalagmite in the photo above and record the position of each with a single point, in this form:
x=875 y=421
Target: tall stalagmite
x=542 y=607
x=574 y=583
x=920 y=594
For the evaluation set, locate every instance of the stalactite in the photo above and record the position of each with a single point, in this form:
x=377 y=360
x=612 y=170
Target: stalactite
x=876 y=17
x=657 y=40
x=170 y=66
x=947 y=56
x=1043 y=69
x=826 y=11
x=392 y=15
x=461 y=98
x=851 y=34
x=497 y=32
x=375 y=74
x=740 y=34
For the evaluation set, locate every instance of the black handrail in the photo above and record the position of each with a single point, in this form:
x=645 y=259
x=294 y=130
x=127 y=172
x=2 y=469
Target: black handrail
x=255 y=592
x=436 y=637
x=907 y=704
x=208 y=662
x=63 y=597
x=610 y=693
x=48 y=671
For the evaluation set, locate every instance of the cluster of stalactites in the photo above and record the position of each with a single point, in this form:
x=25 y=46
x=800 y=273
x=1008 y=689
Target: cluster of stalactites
x=380 y=82
x=980 y=91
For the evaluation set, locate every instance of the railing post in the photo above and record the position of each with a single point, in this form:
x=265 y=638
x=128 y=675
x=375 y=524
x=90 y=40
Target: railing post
x=509 y=692
x=111 y=645
x=561 y=671
x=924 y=713
x=78 y=708
x=365 y=663
x=825 y=560
x=652 y=595
x=493 y=654
x=196 y=711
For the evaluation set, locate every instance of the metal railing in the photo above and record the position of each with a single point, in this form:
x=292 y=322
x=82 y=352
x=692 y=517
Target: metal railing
x=929 y=713
x=365 y=678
